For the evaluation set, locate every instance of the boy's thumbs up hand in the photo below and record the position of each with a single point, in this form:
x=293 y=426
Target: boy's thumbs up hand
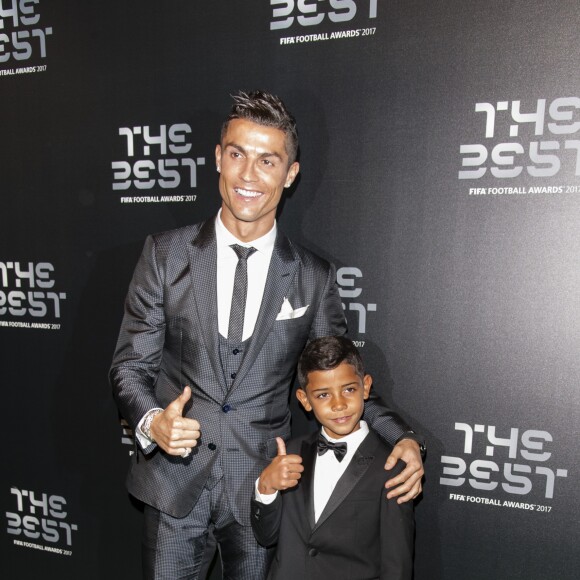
x=284 y=472
x=173 y=432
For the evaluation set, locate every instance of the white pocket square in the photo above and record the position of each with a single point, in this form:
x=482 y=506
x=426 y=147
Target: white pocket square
x=288 y=313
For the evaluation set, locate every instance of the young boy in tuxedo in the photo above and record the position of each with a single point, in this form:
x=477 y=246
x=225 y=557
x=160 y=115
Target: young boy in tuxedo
x=332 y=519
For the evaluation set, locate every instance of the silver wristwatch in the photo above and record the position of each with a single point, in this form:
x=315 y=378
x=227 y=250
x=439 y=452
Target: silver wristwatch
x=146 y=425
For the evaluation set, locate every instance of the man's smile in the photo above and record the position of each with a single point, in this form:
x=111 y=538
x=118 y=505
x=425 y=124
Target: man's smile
x=247 y=192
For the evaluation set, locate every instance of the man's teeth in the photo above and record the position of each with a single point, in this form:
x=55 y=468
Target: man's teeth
x=247 y=193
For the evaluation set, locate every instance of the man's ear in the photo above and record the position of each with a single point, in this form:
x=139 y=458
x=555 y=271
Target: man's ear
x=218 y=157
x=367 y=382
x=303 y=398
x=292 y=173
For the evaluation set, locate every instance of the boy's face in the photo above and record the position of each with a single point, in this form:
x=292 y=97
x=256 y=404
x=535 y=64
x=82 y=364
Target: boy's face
x=337 y=398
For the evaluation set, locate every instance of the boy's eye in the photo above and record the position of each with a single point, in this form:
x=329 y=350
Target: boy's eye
x=322 y=395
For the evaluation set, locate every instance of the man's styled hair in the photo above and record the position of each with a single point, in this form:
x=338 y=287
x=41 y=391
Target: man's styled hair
x=265 y=109
x=325 y=354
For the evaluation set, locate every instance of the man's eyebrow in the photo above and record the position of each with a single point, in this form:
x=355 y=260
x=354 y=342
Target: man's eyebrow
x=271 y=154
x=262 y=155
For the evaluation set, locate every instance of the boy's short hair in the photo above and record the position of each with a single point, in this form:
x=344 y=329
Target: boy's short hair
x=325 y=354
x=266 y=109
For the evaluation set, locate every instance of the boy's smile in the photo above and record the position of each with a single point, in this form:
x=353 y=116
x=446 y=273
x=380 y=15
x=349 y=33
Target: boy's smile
x=337 y=398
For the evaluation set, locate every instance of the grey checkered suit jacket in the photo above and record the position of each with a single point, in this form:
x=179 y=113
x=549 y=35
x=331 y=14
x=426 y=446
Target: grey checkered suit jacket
x=169 y=339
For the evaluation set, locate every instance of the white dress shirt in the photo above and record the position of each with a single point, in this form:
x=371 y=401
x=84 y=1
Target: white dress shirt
x=327 y=470
x=258 y=265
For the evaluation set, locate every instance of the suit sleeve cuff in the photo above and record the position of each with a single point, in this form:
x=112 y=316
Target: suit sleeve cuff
x=419 y=439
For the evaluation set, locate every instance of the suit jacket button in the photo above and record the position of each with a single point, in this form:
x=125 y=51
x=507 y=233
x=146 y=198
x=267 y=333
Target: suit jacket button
x=236 y=351
x=233 y=375
x=313 y=552
x=212 y=446
x=226 y=408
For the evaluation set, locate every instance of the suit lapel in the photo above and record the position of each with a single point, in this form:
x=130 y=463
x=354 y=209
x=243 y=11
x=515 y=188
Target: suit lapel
x=281 y=273
x=306 y=487
x=203 y=269
x=357 y=467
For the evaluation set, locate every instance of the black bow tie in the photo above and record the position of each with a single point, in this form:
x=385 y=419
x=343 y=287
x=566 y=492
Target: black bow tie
x=324 y=445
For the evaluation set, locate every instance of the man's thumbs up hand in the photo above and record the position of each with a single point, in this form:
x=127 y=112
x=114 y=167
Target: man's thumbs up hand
x=281 y=446
x=173 y=432
x=283 y=473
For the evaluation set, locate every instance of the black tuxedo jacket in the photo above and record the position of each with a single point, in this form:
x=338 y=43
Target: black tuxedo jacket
x=360 y=535
x=169 y=339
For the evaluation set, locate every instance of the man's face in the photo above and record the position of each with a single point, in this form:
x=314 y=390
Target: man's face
x=337 y=398
x=253 y=165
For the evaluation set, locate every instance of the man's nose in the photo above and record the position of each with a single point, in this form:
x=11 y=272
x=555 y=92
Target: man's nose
x=249 y=171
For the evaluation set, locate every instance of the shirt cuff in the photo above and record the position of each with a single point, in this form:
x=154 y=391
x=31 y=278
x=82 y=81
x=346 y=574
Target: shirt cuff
x=264 y=498
x=142 y=439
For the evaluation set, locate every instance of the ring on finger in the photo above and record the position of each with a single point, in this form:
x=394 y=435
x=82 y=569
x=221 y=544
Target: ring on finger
x=186 y=452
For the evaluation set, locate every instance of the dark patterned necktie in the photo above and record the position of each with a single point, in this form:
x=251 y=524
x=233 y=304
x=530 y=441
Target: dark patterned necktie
x=236 y=324
x=324 y=445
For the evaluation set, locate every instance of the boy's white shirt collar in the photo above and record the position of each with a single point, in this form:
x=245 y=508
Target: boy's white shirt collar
x=353 y=439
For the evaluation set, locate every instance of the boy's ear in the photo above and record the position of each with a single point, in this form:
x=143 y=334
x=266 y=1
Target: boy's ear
x=367 y=382
x=303 y=398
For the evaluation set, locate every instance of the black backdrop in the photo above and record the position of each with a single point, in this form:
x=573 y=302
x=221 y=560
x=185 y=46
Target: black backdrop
x=440 y=171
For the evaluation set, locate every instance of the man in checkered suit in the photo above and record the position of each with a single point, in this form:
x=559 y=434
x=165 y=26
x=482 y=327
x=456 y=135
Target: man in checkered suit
x=207 y=407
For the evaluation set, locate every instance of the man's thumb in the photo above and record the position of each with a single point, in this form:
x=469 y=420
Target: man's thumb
x=281 y=446
x=180 y=402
